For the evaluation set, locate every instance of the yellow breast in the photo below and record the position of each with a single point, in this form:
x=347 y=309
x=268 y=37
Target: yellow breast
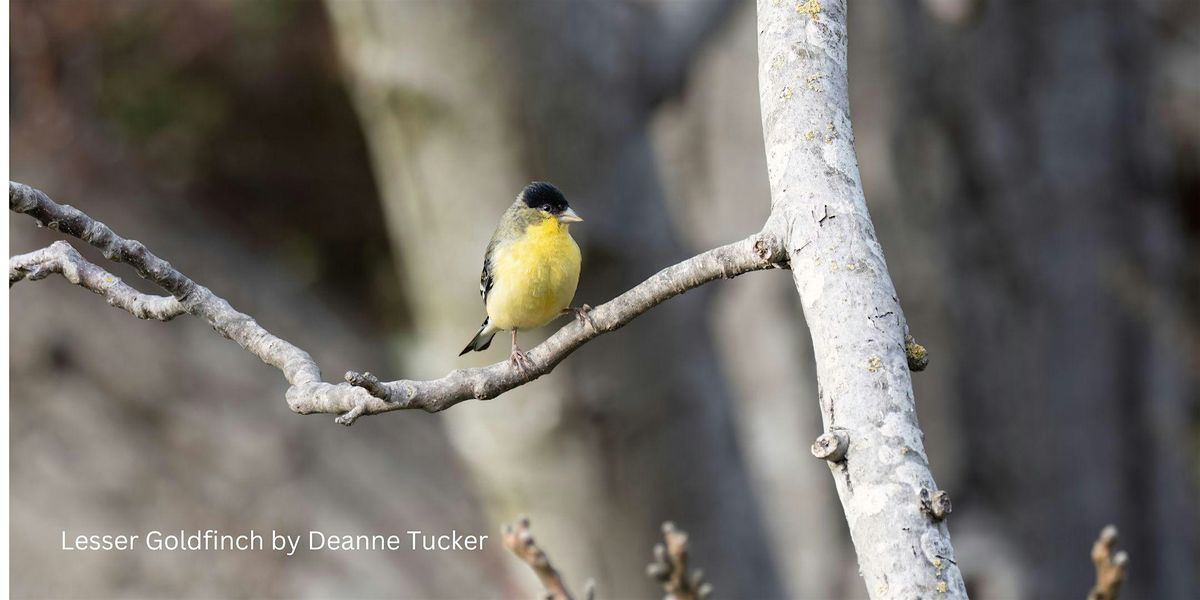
x=535 y=277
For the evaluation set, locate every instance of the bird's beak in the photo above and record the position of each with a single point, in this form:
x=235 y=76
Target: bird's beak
x=569 y=216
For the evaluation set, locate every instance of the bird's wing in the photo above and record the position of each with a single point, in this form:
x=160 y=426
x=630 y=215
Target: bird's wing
x=510 y=227
x=486 y=280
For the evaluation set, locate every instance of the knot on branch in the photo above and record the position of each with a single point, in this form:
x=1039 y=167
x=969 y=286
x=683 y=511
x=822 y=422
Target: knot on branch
x=670 y=567
x=832 y=445
x=918 y=357
x=768 y=248
x=935 y=504
x=1110 y=566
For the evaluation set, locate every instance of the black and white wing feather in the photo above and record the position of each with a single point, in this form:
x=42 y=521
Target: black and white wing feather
x=483 y=338
x=486 y=278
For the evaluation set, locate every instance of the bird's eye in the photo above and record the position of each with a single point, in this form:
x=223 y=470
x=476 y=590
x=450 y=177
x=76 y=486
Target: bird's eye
x=546 y=207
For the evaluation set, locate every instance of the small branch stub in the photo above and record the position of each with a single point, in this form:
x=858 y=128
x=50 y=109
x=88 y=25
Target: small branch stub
x=1110 y=566
x=832 y=445
x=369 y=382
x=936 y=504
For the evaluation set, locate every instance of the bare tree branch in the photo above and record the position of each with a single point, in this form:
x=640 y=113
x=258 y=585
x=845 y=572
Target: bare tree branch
x=365 y=394
x=61 y=258
x=752 y=254
x=670 y=566
x=519 y=540
x=298 y=367
x=1110 y=566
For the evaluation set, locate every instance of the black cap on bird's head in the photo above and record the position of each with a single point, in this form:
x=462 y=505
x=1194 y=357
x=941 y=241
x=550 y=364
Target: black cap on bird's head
x=547 y=198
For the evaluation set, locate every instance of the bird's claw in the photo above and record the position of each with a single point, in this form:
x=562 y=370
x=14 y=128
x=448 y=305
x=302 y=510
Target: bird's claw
x=582 y=314
x=521 y=360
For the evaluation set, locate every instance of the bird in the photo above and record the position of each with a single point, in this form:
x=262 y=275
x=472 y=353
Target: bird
x=530 y=270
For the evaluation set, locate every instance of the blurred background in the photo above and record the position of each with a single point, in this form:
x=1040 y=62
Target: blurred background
x=336 y=169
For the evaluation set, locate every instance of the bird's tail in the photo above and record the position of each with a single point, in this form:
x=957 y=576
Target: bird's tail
x=482 y=340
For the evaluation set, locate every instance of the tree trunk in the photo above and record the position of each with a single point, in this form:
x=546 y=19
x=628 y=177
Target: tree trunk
x=712 y=138
x=850 y=304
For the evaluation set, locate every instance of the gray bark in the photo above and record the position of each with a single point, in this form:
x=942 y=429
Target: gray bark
x=850 y=304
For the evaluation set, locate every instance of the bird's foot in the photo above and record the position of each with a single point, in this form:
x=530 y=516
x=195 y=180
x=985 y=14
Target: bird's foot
x=521 y=360
x=582 y=314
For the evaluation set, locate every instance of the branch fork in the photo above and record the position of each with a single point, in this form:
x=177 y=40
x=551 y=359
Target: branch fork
x=60 y=257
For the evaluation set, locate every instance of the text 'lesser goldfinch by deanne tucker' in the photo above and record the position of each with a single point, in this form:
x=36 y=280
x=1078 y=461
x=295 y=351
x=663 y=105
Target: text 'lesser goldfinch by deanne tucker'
x=530 y=269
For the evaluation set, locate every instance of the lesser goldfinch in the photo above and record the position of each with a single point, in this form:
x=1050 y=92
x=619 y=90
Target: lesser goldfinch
x=531 y=267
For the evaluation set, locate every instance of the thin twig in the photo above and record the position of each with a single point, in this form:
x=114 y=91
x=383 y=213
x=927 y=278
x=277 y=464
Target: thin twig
x=519 y=540
x=670 y=567
x=1110 y=566
x=365 y=394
